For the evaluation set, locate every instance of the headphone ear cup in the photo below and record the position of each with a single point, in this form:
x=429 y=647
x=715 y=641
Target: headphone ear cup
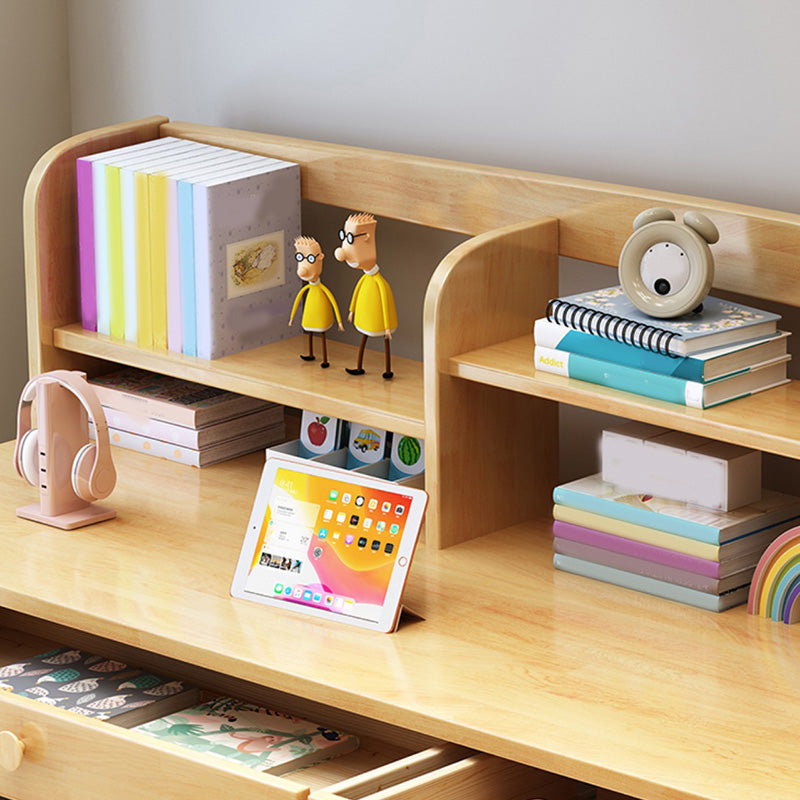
x=29 y=456
x=81 y=472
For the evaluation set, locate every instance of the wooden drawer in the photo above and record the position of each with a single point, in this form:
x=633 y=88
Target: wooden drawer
x=63 y=749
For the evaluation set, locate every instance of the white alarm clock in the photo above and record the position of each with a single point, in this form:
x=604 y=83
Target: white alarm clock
x=666 y=267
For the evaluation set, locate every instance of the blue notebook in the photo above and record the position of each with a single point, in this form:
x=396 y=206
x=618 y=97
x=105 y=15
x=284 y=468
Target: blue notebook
x=609 y=313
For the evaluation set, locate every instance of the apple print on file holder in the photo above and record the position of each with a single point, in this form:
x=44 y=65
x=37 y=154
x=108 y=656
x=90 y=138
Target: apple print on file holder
x=319 y=434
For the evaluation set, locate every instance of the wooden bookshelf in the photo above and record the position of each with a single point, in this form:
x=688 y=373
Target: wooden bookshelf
x=764 y=421
x=275 y=373
x=528 y=668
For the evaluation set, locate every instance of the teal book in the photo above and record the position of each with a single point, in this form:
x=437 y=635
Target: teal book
x=593 y=494
x=609 y=313
x=692 y=394
x=653 y=586
x=259 y=738
x=705 y=366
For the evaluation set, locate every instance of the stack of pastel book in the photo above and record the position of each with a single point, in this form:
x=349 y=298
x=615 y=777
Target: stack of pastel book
x=256 y=737
x=700 y=360
x=184 y=421
x=96 y=686
x=694 y=535
x=182 y=246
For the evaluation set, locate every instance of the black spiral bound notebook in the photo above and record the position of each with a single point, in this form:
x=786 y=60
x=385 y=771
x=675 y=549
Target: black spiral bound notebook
x=609 y=313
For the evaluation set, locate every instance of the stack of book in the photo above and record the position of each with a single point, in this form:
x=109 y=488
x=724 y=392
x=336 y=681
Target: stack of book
x=184 y=421
x=182 y=246
x=668 y=548
x=700 y=360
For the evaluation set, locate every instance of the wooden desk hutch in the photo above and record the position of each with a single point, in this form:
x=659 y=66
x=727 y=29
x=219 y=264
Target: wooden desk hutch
x=519 y=681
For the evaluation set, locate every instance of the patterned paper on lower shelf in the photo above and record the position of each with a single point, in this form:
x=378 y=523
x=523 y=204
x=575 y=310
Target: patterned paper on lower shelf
x=260 y=738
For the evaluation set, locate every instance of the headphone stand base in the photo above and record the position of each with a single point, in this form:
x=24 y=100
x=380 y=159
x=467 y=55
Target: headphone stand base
x=72 y=519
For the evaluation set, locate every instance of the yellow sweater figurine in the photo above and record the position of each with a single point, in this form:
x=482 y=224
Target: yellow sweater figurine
x=372 y=308
x=320 y=306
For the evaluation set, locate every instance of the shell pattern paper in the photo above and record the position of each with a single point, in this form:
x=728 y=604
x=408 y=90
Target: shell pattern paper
x=91 y=685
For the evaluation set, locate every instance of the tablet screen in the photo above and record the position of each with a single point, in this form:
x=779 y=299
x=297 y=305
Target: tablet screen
x=328 y=543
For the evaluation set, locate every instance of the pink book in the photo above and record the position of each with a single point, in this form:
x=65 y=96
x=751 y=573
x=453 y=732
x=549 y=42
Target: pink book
x=86 y=245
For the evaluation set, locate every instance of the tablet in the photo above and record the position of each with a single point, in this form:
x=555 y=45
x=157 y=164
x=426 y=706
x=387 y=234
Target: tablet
x=330 y=543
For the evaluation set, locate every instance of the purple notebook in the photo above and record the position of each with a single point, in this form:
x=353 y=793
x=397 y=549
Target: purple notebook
x=86 y=245
x=650 y=552
x=652 y=569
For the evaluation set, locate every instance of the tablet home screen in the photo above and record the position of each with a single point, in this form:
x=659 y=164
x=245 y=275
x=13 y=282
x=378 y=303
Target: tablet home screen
x=328 y=543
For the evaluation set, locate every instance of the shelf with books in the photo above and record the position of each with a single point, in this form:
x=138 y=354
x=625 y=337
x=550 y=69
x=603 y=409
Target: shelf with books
x=274 y=372
x=763 y=421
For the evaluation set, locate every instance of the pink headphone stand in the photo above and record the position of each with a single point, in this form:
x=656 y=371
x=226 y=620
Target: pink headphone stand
x=63 y=430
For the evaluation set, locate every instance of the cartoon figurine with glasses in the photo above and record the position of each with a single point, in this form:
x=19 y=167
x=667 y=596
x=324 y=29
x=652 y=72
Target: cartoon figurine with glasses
x=372 y=308
x=320 y=306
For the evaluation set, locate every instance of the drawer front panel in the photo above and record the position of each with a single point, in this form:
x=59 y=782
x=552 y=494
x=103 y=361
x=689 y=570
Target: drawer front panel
x=82 y=757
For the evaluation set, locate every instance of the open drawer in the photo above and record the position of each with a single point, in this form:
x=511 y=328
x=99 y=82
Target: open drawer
x=48 y=752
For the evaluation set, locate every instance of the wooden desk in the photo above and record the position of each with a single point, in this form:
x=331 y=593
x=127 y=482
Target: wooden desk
x=512 y=658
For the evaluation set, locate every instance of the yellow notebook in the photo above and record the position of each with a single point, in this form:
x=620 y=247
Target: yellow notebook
x=158 y=258
x=143 y=282
x=637 y=533
x=115 y=277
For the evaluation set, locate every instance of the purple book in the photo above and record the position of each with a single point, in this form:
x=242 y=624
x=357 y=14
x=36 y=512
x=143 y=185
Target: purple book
x=86 y=245
x=652 y=569
x=659 y=555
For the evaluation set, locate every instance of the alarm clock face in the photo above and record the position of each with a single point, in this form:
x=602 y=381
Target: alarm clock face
x=666 y=269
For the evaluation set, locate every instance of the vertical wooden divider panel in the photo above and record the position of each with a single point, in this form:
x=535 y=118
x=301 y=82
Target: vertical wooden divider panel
x=52 y=285
x=491 y=454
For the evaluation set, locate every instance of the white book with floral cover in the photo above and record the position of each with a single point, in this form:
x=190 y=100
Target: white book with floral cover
x=260 y=738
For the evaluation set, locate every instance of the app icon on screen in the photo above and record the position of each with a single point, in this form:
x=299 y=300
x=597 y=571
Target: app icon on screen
x=345 y=498
x=349 y=539
x=389 y=548
x=360 y=500
x=386 y=507
x=373 y=504
x=354 y=519
x=362 y=542
x=394 y=528
x=376 y=545
x=332 y=495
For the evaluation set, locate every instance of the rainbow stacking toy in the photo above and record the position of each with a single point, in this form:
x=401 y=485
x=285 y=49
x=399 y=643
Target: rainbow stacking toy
x=775 y=588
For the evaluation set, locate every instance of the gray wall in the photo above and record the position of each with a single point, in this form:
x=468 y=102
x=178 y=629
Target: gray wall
x=34 y=98
x=686 y=96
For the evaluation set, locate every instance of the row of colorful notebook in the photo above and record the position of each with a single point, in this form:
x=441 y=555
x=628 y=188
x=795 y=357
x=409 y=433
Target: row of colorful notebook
x=698 y=543
x=107 y=689
x=182 y=246
x=702 y=359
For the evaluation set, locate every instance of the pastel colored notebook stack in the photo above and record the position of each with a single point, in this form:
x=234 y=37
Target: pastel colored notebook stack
x=95 y=686
x=184 y=421
x=700 y=360
x=259 y=738
x=667 y=548
x=182 y=246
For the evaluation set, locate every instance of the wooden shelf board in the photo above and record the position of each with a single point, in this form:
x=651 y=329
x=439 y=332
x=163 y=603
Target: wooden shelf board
x=765 y=421
x=275 y=372
x=511 y=657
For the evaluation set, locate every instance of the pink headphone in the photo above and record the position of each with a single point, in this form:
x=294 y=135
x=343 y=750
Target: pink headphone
x=93 y=475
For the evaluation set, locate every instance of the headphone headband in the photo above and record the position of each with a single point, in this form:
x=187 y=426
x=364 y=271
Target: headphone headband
x=75 y=382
